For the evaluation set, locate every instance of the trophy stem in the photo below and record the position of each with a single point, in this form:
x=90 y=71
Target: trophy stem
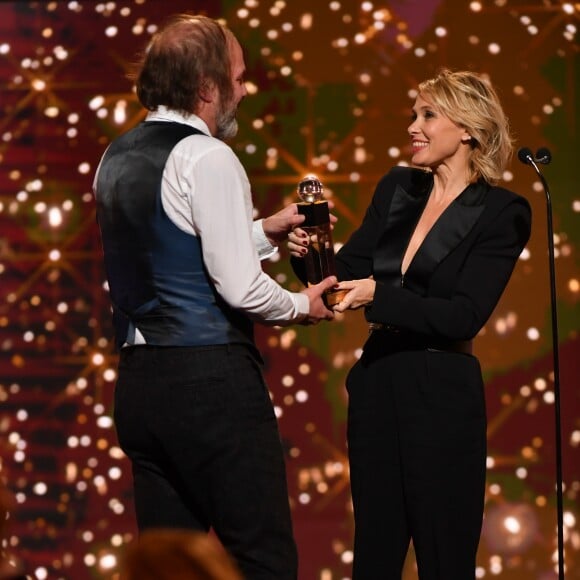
x=319 y=261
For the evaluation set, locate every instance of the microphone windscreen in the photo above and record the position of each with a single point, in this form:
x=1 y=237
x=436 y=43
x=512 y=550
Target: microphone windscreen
x=525 y=155
x=543 y=155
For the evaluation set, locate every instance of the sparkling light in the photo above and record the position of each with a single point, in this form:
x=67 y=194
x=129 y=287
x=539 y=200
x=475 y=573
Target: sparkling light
x=60 y=304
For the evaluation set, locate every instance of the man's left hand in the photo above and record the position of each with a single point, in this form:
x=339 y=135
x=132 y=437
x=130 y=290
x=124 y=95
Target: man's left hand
x=277 y=226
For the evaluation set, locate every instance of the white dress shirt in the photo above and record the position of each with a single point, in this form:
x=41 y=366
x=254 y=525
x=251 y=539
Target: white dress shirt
x=205 y=191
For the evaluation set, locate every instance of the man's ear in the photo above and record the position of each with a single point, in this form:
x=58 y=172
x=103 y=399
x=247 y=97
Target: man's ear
x=207 y=92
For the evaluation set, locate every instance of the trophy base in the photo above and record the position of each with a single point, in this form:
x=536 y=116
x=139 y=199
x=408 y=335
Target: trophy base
x=333 y=297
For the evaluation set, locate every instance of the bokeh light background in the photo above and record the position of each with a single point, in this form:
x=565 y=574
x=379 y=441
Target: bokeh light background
x=331 y=85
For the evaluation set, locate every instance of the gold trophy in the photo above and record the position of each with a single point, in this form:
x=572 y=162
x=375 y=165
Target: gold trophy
x=319 y=260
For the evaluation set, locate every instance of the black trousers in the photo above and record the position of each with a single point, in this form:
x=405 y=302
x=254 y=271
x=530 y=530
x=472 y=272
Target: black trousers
x=199 y=428
x=417 y=451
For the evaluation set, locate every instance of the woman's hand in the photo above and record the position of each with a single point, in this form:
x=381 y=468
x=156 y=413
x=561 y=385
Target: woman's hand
x=360 y=293
x=298 y=240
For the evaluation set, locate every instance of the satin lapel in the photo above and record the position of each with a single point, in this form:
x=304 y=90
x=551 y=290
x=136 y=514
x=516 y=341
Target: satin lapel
x=446 y=234
x=404 y=212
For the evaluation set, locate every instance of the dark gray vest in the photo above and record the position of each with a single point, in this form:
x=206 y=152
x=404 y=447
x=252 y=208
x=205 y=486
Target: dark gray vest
x=157 y=279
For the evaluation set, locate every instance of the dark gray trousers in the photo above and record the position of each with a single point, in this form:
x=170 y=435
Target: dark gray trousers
x=199 y=428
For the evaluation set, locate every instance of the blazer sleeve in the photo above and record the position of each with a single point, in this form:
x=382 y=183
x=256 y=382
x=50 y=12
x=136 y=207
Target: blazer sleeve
x=480 y=283
x=354 y=259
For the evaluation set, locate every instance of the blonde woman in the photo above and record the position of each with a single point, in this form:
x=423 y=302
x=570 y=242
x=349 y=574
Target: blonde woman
x=429 y=263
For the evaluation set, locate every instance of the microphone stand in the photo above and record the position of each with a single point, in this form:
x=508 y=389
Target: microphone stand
x=526 y=157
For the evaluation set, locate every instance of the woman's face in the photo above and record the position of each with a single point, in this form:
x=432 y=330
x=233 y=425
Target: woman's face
x=435 y=139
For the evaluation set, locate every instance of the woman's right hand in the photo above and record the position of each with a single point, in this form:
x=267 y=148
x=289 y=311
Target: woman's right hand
x=298 y=242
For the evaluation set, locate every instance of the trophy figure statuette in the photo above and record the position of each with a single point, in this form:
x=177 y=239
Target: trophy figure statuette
x=319 y=260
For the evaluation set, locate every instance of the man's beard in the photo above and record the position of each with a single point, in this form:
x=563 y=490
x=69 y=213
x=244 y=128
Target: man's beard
x=226 y=122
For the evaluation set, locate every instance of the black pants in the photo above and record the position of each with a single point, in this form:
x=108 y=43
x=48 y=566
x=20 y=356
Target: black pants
x=417 y=451
x=199 y=428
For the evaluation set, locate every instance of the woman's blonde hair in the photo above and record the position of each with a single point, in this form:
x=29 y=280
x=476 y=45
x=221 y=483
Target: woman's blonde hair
x=470 y=101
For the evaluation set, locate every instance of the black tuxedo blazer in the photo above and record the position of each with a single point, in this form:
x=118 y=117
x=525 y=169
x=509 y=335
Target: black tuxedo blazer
x=458 y=273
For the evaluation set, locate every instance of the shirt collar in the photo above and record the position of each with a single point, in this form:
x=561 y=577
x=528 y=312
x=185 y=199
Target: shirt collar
x=169 y=115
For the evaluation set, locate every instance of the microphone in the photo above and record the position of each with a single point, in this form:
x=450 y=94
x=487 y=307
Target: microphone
x=525 y=155
x=542 y=156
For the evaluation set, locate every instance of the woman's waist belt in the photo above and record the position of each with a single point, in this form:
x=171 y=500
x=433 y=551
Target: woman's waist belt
x=402 y=340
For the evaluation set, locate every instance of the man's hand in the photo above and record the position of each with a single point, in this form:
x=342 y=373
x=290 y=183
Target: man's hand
x=277 y=226
x=318 y=310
